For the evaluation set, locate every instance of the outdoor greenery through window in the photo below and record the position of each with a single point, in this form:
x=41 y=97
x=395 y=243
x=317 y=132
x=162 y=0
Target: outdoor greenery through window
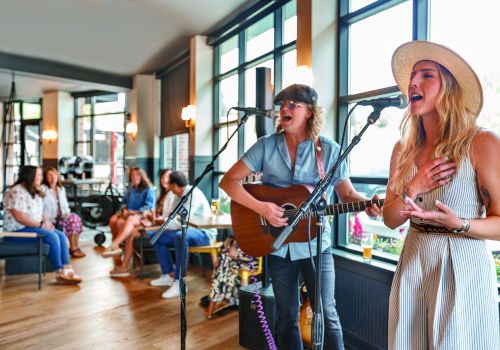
x=365 y=73
x=99 y=133
x=267 y=42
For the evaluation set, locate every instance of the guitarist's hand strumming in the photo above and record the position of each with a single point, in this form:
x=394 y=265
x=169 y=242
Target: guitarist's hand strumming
x=273 y=214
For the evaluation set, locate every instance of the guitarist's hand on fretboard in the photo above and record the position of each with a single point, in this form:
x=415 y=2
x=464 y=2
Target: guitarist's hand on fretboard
x=273 y=214
x=374 y=209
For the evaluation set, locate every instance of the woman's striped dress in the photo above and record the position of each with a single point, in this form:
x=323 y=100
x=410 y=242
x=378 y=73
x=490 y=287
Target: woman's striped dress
x=444 y=292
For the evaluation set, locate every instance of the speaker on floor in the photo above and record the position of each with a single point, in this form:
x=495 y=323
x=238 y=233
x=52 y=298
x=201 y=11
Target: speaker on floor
x=251 y=334
x=264 y=100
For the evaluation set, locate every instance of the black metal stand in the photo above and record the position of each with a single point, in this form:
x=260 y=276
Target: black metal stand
x=317 y=323
x=318 y=203
x=183 y=212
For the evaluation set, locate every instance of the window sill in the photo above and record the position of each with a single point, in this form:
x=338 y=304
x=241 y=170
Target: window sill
x=356 y=258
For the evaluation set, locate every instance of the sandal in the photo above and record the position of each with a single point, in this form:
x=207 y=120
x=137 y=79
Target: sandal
x=112 y=251
x=77 y=253
x=67 y=276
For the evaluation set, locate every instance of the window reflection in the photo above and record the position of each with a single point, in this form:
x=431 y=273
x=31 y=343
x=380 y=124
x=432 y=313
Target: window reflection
x=372 y=42
x=260 y=37
x=229 y=54
x=228 y=98
x=372 y=156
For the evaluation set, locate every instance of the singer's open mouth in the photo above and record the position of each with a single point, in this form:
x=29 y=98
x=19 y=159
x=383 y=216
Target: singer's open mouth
x=286 y=118
x=416 y=97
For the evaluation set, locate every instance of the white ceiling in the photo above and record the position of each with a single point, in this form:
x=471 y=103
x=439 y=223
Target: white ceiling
x=122 y=37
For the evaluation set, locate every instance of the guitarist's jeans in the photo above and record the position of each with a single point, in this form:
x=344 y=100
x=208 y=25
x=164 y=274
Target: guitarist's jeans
x=285 y=282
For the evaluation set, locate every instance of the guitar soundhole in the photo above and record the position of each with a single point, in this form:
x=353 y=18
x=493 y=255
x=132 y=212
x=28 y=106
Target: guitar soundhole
x=275 y=231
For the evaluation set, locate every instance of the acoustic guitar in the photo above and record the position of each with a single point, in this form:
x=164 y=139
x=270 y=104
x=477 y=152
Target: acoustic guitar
x=256 y=236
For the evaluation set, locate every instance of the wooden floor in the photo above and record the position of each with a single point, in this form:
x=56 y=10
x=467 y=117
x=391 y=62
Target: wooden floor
x=106 y=313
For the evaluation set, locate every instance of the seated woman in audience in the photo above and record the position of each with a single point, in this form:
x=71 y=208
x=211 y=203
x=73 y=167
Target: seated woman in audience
x=148 y=219
x=24 y=213
x=139 y=198
x=56 y=210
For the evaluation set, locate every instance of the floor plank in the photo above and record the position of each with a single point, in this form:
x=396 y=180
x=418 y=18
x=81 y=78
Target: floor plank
x=106 y=313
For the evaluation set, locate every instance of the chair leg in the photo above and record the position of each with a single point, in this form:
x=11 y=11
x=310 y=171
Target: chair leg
x=213 y=255
x=141 y=259
x=40 y=263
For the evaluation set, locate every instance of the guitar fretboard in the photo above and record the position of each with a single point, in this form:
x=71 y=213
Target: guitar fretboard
x=340 y=208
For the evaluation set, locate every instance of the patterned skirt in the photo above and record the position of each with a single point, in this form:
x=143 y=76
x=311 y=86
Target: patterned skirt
x=71 y=224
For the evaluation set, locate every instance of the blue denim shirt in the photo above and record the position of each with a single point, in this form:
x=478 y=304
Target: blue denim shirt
x=140 y=200
x=270 y=156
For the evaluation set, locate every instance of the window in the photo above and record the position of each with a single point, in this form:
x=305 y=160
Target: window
x=175 y=153
x=364 y=72
x=23 y=138
x=99 y=133
x=268 y=40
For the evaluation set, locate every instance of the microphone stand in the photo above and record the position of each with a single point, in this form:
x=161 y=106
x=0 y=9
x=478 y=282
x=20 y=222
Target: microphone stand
x=318 y=203
x=183 y=212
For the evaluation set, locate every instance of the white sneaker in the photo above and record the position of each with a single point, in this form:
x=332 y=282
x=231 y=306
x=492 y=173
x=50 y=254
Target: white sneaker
x=173 y=291
x=164 y=280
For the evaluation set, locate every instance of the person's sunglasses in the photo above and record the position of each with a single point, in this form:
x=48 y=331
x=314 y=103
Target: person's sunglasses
x=291 y=105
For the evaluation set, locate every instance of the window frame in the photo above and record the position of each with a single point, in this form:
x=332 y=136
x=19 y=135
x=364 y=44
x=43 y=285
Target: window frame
x=420 y=31
x=92 y=115
x=276 y=55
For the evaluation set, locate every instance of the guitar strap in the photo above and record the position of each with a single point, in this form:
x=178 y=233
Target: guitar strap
x=319 y=160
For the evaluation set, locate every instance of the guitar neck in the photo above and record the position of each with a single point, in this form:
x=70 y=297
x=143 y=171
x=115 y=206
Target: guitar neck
x=342 y=208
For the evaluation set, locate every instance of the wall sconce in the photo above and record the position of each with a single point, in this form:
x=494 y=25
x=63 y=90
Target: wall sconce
x=189 y=115
x=131 y=130
x=303 y=75
x=49 y=135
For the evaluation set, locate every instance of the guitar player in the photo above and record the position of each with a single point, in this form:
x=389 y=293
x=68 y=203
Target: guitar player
x=288 y=157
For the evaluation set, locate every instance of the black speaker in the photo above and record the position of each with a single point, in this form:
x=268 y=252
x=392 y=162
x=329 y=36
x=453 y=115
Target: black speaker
x=251 y=334
x=263 y=100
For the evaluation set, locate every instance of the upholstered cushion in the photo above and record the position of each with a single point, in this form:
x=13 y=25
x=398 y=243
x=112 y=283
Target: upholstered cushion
x=10 y=249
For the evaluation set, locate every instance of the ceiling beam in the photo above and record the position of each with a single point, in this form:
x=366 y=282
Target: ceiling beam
x=61 y=70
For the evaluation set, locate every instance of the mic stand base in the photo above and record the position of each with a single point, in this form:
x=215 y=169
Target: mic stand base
x=317 y=321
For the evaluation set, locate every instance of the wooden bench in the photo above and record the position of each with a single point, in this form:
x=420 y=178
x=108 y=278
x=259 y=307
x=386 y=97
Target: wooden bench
x=11 y=249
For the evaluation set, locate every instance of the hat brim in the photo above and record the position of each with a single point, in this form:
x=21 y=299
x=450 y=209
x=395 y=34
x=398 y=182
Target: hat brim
x=407 y=55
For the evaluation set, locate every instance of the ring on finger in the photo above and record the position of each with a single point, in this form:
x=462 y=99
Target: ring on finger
x=434 y=178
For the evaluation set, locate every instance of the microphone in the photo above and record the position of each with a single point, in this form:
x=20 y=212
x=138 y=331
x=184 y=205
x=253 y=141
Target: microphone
x=399 y=101
x=268 y=113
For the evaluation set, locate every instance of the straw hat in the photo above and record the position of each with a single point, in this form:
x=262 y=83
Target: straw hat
x=407 y=55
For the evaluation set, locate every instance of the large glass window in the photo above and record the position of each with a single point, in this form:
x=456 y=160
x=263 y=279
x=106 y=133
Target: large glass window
x=269 y=41
x=365 y=72
x=22 y=139
x=175 y=153
x=99 y=132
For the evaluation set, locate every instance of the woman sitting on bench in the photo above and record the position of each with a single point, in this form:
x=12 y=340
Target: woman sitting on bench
x=24 y=213
x=56 y=210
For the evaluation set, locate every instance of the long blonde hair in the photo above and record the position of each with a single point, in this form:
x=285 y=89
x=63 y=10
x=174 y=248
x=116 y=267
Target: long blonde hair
x=457 y=126
x=314 y=123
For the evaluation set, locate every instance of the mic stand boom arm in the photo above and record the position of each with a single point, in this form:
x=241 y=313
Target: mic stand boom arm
x=320 y=188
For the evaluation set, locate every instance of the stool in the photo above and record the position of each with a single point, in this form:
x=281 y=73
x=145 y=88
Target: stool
x=212 y=249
